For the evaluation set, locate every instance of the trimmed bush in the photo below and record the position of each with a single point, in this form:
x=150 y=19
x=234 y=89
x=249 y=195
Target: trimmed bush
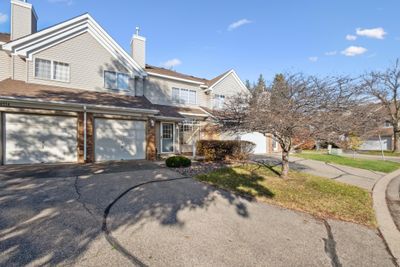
x=178 y=161
x=216 y=150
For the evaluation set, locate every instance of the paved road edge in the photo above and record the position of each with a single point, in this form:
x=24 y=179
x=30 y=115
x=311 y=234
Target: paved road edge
x=385 y=221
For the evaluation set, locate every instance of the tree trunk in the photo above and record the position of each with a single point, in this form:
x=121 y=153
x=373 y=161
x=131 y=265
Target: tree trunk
x=285 y=164
x=396 y=147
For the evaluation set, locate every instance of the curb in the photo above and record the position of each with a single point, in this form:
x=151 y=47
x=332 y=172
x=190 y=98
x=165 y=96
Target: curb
x=386 y=224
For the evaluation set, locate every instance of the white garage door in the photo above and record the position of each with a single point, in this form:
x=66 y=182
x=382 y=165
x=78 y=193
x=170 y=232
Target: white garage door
x=119 y=139
x=39 y=139
x=259 y=139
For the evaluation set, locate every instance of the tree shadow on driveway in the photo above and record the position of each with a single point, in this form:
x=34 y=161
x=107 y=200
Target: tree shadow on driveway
x=57 y=220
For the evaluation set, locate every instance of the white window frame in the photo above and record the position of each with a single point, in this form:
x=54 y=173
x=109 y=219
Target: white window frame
x=179 y=100
x=52 y=71
x=116 y=80
x=219 y=97
x=387 y=124
x=173 y=137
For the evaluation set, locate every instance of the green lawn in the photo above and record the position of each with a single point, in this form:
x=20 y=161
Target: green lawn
x=368 y=164
x=318 y=196
x=379 y=153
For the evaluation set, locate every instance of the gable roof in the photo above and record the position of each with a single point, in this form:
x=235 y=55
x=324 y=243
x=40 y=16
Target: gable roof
x=171 y=73
x=41 y=40
x=216 y=79
x=4 y=37
x=166 y=73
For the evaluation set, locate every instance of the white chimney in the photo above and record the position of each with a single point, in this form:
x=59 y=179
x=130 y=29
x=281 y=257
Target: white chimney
x=23 y=19
x=138 y=49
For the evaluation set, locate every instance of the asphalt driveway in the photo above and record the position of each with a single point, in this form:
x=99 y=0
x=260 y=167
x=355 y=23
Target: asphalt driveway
x=86 y=219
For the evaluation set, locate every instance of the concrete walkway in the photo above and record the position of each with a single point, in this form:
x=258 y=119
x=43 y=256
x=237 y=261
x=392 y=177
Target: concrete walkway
x=358 y=177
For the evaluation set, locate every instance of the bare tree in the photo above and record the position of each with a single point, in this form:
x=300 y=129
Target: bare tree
x=384 y=86
x=296 y=106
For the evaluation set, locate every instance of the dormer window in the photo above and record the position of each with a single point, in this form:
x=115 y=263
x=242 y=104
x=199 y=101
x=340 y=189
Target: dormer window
x=51 y=70
x=116 y=80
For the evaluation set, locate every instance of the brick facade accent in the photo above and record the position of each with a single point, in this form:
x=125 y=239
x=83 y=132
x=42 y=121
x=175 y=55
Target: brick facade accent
x=80 y=141
x=151 y=151
x=89 y=138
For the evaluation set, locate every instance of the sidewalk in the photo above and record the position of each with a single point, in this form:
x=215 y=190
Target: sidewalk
x=354 y=176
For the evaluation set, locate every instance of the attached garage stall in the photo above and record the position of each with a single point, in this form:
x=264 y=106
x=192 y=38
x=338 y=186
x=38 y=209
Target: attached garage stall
x=117 y=139
x=374 y=143
x=29 y=138
x=257 y=138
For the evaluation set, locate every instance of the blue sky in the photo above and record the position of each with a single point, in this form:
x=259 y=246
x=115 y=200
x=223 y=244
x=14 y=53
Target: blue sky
x=205 y=38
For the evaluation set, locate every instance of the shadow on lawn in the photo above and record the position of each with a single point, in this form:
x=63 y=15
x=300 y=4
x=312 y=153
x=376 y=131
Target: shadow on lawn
x=246 y=183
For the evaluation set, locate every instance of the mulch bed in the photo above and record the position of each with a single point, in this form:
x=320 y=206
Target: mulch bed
x=199 y=167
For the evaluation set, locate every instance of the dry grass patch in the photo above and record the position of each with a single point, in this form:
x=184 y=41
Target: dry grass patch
x=318 y=196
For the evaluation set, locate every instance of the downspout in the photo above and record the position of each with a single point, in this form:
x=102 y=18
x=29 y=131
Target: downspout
x=84 y=134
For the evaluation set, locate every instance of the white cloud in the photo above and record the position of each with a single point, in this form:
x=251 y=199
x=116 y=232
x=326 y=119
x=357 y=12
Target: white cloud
x=238 y=24
x=351 y=37
x=313 y=59
x=376 y=33
x=169 y=64
x=352 y=51
x=330 y=53
x=3 y=18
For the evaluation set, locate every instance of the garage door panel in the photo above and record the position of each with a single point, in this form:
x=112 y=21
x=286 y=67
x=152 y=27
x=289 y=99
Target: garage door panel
x=257 y=138
x=119 y=139
x=39 y=139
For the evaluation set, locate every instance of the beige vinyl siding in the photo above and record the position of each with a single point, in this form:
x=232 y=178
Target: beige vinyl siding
x=19 y=68
x=5 y=68
x=228 y=86
x=159 y=90
x=87 y=59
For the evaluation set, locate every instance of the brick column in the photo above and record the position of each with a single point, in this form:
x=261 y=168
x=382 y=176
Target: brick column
x=89 y=138
x=151 y=151
x=80 y=138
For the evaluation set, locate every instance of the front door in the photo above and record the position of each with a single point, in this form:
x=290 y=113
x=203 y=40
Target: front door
x=167 y=137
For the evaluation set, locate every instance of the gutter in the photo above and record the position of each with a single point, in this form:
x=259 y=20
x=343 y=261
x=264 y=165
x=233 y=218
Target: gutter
x=78 y=107
x=84 y=134
x=174 y=78
x=169 y=118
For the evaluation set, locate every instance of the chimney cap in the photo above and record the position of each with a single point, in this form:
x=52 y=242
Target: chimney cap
x=137 y=30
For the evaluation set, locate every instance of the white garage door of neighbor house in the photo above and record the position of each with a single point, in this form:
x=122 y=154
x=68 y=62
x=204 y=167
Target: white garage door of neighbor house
x=119 y=139
x=376 y=144
x=39 y=139
x=259 y=139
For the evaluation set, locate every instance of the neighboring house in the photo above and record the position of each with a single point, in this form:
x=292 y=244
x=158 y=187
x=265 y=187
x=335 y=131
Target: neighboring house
x=70 y=93
x=380 y=139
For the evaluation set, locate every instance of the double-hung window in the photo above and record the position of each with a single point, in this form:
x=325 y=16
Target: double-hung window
x=116 y=80
x=219 y=101
x=184 y=96
x=52 y=70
